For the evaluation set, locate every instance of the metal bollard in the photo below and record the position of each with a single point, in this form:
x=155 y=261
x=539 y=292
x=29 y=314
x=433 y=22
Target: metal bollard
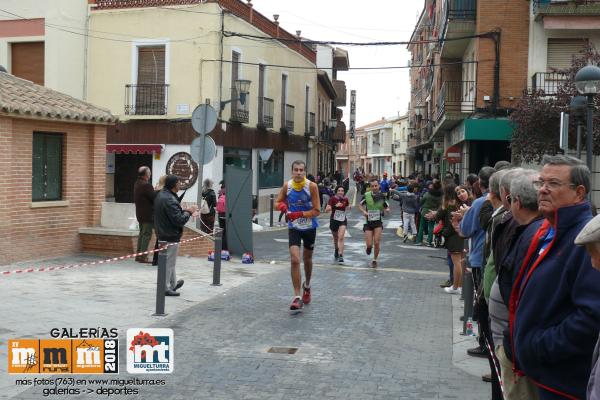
x=271 y=199
x=217 y=260
x=467 y=291
x=161 y=281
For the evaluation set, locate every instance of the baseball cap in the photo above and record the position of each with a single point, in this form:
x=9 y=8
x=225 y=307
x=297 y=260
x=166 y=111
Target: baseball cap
x=590 y=232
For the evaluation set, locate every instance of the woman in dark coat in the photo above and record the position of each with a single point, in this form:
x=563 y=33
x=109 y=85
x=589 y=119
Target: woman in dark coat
x=208 y=194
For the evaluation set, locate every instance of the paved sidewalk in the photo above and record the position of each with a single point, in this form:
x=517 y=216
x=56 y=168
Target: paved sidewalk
x=369 y=334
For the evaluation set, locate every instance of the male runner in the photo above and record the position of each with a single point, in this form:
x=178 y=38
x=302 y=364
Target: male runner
x=373 y=205
x=337 y=206
x=299 y=199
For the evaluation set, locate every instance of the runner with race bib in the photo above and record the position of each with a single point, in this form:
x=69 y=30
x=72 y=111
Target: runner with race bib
x=373 y=206
x=299 y=200
x=337 y=206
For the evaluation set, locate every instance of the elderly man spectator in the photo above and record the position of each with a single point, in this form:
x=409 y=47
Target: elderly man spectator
x=143 y=197
x=170 y=219
x=555 y=303
x=590 y=238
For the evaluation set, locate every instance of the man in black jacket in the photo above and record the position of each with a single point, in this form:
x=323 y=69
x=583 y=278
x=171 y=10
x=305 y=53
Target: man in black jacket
x=169 y=219
x=143 y=197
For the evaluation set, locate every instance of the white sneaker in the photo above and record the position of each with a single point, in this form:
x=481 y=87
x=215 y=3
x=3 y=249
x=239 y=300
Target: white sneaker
x=452 y=290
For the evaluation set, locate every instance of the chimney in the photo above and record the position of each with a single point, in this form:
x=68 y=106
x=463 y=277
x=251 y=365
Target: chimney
x=276 y=18
x=251 y=10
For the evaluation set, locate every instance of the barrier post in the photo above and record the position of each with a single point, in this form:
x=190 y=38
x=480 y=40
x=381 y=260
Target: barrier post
x=161 y=281
x=271 y=198
x=217 y=260
x=467 y=292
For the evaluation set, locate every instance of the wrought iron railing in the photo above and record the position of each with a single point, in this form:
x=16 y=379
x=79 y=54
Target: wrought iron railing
x=239 y=106
x=547 y=82
x=456 y=96
x=289 y=118
x=541 y=5
x=462 y=9
x=309 y=122
x=265 y=112
x=146 y=99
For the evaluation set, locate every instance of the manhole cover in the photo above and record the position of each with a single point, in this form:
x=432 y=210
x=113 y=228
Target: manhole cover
x=283 y=350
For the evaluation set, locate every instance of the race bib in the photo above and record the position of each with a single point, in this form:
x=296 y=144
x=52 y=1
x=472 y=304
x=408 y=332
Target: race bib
x=339 y=215
x=373 y=215
x=302 y=223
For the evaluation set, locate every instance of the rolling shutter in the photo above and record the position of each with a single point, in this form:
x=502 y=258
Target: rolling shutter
x=561 y=51
x=27 y=61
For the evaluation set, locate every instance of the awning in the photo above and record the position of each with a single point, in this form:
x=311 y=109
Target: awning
x=134 y=148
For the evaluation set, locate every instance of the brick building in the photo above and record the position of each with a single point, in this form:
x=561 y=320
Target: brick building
x=469 y=70
x=52 y=169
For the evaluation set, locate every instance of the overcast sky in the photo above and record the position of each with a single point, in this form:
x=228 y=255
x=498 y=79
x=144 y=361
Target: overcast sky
x=379 y=93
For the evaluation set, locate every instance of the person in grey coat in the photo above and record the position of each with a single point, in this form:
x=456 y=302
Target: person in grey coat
x=169 y=220
x=590 y=238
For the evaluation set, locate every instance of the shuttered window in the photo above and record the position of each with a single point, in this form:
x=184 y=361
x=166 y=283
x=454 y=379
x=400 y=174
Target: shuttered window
x=46 y=182
x=561 y=51
x=151 y=90
x=27 y=61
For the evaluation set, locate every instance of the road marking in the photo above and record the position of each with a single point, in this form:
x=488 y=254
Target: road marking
x=381 y=268
x=328 y=233
x=358 y=225
x=417 y=247
x=281 y=240
x=393 y=224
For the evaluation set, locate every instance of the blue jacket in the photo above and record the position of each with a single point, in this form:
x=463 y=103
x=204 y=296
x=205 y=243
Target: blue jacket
x=555 y=317
x=471 y=228
x=385 y=185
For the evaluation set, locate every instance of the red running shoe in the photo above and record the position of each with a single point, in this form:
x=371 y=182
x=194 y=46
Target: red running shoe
x=296 y=304
x=305 y=295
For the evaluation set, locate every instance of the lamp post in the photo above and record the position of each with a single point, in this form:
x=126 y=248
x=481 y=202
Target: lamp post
x=577 y=107
x=587 y=82
x=241 y=87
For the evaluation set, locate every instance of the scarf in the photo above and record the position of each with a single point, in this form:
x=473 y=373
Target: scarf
x=297 y=186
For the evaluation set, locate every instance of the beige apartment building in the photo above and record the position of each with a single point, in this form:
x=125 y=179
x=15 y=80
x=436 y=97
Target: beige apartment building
x=171 y=62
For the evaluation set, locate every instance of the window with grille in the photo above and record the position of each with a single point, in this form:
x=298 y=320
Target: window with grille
x=46 y=182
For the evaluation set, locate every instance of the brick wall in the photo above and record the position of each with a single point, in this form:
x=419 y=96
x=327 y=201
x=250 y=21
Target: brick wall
x=512 y=17
x=30 y=233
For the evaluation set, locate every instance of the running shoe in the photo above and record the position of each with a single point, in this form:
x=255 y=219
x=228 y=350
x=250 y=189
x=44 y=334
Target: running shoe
x=452 y=290
x=446 y=284
x=341 y=259
x=373 y=264
x=305 y=295
x=335 y=254
x=405 y=239
x=368 y=251
x=296 y=304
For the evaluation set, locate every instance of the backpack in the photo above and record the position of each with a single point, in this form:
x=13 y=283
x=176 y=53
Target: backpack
x=221 y=204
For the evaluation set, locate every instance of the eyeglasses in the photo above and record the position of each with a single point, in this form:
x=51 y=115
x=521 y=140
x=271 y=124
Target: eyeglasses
x=550 y=184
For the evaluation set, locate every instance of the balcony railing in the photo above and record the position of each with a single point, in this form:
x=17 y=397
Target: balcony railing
x=457 y=96
x=146 y=99
x=239 y=112
x=265 y=112
x=288 y=119
x=570 y=7
x=309 y=123
x=462 y=9
x=547 y=81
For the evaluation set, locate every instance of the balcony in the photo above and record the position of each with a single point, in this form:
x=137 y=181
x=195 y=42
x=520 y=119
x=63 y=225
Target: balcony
x=569 y=8
x=340 y=90
x=309 y=123
x=146 y=99
x=548 y=82
x=239 y=112
x=455 y=102
x=265 y=113
x=458 y=20
x=287 y=120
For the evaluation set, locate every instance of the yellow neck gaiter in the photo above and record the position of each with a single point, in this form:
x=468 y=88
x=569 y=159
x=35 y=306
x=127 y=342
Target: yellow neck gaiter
x=297 y=186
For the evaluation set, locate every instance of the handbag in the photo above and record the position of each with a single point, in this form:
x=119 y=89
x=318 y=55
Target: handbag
x=438 y=228
x=204 y=209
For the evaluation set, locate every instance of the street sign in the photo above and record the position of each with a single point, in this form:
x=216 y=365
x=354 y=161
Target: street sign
x=453 y=155
x=208 y=148
x=352 y=113
x=204 y=119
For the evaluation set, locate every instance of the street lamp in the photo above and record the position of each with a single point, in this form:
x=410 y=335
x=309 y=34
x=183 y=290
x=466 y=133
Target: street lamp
x=241 y=87
x=587 y=82
x=577 y=108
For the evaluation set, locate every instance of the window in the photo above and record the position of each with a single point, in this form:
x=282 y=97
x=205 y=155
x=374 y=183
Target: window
x=46 y=182
x=271 y=171
x=151 y=91
x=27 y=61
x=561 y=51
x=238 y=157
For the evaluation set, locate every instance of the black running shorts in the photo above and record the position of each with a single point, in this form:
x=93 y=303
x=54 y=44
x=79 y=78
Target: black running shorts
x=371 y=226
x=296 y=237
x=335 y=225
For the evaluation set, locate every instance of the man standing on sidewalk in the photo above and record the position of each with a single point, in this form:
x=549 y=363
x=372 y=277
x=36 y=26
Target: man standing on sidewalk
x=170 y=219
x=299 y=200
x=143 y=197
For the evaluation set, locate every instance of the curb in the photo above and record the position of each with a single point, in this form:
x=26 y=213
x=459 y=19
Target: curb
x=475 y=366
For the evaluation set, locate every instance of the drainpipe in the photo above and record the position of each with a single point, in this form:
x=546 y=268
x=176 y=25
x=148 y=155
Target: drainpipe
x=85 y=52
x=221 y=62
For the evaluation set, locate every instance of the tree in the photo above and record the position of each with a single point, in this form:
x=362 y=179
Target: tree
x=536 y=119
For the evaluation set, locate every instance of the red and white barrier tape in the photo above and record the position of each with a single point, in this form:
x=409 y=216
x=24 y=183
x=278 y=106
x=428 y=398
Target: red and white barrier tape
x=109 y=260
